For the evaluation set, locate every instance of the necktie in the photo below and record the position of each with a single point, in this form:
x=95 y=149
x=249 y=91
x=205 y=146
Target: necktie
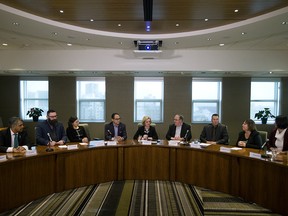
x=16 y=143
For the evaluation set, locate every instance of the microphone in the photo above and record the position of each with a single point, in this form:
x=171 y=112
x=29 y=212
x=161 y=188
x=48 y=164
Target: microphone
x=109 y=134
x=185 y=138
x=262 y=147
x=49 y=149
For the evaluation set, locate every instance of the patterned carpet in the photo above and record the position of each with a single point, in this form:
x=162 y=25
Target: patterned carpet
x=139 y=198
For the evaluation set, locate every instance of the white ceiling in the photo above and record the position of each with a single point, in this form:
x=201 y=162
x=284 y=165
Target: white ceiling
x=265 y=32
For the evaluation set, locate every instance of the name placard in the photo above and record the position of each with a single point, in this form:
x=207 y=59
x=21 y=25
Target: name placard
x=225 y=149
x=96 y=143
x=255 y=155
x=31 y=152
x=173 y=142
x=112 y=143
x=146 y=142
x=3 y=157
x=69 y=147
x=193 y=145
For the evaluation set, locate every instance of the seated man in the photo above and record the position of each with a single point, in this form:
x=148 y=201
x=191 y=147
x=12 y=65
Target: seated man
x=14 y=138
x=214 y=133
x=179 y=130
x=115 y=130
x=50 y=131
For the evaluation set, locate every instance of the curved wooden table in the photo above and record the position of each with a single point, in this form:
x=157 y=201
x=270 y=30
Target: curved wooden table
x=27 y=177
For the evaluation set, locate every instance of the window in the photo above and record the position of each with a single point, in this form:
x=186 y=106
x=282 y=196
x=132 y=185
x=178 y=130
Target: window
x=264 y=94
x=33 y=93
x=91 y=99
x=206 y=99
x=148 y=98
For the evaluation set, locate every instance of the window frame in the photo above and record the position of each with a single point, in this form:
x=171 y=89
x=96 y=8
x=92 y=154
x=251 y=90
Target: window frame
x=78 y=101
x=217 y=101
x=24 y=100
x=139 y=79
x=277 y=85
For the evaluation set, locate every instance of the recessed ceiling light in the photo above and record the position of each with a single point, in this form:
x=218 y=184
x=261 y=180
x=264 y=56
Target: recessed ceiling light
x=4 y=44
x=209 y=39
x=243 y=33
x=61 y=11
x=54 y=33
x=177 y=24
x=284 y=23
x=91 y=20
x=16 y=23
x=206 y=20
x=270 y=72
x=69 y=44
x=221 y=44
x=119 y=25
x=236 y=10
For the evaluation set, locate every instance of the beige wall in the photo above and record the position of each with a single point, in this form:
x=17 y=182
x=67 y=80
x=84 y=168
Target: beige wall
x=119 y=98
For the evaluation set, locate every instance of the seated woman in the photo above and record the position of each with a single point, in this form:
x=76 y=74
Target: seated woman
x=146 y=131
x=278 y=138
x=76 y=133
x=249 y=137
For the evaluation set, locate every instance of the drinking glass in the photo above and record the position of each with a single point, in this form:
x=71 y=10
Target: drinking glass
x=274 y=153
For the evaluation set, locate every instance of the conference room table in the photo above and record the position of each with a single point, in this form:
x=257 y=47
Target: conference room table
x=240 y=172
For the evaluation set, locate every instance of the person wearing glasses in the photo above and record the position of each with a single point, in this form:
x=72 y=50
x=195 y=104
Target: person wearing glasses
x=50 y=131
x=14 y=138
x=115 y=130
x=179 y=130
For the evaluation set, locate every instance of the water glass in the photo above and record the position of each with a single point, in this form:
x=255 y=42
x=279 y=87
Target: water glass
x=274 y=153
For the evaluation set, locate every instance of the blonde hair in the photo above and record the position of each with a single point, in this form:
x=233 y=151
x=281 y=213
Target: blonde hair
x=144 y=119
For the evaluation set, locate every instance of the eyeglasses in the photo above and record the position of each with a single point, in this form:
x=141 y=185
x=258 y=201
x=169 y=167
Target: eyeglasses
x=117 y=119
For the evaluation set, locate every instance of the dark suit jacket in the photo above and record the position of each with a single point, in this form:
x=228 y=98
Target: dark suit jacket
x=254 y=140
x=5 y=139
x=272 y=140
x=43 y=128
x=221 y=134
x=141 y=131
x=110 y=127
x=184 y=128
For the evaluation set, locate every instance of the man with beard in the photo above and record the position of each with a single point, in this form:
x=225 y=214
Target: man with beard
x=50 y=131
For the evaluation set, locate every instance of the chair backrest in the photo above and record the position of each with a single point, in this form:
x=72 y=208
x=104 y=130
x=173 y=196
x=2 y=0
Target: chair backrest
x=86 y=128
x=263 y=135
x=152 y=124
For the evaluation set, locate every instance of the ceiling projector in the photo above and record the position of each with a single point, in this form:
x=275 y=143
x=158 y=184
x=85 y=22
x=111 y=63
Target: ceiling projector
x=148 y=45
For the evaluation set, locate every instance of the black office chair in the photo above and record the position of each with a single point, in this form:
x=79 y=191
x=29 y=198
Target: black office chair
x=263 y=135
x=86 y=128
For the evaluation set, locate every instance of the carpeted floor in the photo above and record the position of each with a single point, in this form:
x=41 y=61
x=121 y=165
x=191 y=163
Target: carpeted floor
x=139 y=198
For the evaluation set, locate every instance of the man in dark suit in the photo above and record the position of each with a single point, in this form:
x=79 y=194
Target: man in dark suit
x=14 y=138
x=179 y=130
x=214 y=133
x=50 y=131
x=115 y=130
